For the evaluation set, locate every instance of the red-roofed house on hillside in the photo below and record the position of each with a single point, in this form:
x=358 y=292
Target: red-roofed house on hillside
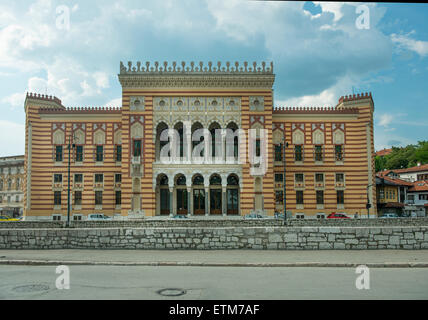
x=391 y=195
x=418 y=198
x=383 y=152
x=416 y=173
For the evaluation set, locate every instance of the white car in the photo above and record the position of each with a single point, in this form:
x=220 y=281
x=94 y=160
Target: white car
x=99 y=217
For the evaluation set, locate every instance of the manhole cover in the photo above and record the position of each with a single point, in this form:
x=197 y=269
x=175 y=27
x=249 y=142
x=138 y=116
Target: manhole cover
x=172 y=292
x=31 y=288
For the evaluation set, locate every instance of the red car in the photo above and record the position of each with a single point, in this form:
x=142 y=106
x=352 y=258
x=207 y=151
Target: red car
x=335 y=215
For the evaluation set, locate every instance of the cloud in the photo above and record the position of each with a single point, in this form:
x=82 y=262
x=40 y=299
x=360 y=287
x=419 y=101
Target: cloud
x=405 y=42
x=15 y=100
x=114 y=103
x=12 y=138
x=385 y=119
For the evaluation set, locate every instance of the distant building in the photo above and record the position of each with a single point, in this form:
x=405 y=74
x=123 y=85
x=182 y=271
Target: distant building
x=12 y=185
x=416 y=173
x=391 y=195
x=417 y=197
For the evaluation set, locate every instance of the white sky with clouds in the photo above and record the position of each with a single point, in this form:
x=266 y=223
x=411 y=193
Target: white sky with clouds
x=318 y=53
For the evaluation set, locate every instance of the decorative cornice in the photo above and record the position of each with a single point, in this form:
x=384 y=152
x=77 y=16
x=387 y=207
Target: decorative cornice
x=196 y=76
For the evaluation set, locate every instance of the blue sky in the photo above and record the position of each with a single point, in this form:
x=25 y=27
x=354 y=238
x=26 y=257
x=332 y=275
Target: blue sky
x=319 y=54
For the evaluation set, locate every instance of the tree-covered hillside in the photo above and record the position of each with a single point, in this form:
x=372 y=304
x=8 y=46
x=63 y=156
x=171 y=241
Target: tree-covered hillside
x=405 y=157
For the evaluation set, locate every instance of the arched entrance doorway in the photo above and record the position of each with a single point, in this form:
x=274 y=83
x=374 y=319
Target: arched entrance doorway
x=181 y=195
x=164 y=195
x=215 y=194
x=198 y=195
x=232 y=195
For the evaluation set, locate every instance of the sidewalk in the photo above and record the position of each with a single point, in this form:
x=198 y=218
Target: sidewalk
x=232 y=258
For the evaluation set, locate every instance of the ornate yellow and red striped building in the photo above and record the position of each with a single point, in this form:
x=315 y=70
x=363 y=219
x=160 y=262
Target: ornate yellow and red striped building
x=116 y=154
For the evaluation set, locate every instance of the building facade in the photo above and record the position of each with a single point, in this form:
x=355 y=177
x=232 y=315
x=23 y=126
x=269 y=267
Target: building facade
x=119 y=166
x=12 y=186
x=392 y=195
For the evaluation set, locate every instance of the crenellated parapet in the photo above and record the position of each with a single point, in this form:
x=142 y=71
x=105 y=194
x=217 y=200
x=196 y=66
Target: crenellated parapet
x=72 y=110
x=195 y=68
x=354 y=97
x=42 y=100
x=315 y=110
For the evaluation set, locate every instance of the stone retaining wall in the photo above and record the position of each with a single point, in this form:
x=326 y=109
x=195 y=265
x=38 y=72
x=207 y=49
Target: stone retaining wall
x=219 y=222
x=302 y=238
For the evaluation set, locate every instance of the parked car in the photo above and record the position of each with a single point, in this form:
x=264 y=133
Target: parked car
x=179 y=216
x=254 y=216
x=4 y=218
x=98 y=217
x=335 y=215
x=389 y=215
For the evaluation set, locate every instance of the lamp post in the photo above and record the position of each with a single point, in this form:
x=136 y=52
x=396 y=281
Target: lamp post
x=284 y=145
x=69 y=147
x=368 y=205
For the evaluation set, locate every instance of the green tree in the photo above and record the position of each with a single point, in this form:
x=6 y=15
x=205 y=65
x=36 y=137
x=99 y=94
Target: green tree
x=405 y=157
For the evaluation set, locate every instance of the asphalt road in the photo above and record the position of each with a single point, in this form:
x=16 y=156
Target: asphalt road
x=211 y=283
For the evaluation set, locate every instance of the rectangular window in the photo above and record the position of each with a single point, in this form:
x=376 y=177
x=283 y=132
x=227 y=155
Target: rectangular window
x=99 y=178
x=319 y=177
x=320 y=197
x=318 y=153
x=118 y=153
x=57 y=198
x=77 y=198
x=278 y=152
x=340 y=177
x=118 y=199
x=137 y=148
x=257 y=147
x=98 y=198
x=79 y=153
x=279 y=197
x=78 y=178
x=99 y=153
x=57 y=178
x=299 y=197
x=298 y=153
x=340 y=197
x=299 y=177
x=118 y=178
x=423 y=197
x=338 y=150
x=58 y=153
x=279 y=177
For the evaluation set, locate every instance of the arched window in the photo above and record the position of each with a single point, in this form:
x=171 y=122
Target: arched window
x=181 y=181
x=163 y=181
x=232 y=181
x=198 y=180
x=215 y=180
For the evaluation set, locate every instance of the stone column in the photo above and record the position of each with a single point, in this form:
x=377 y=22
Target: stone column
x=223 y=201
x=171 y=201
x=189 y=200
x=207 y=200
